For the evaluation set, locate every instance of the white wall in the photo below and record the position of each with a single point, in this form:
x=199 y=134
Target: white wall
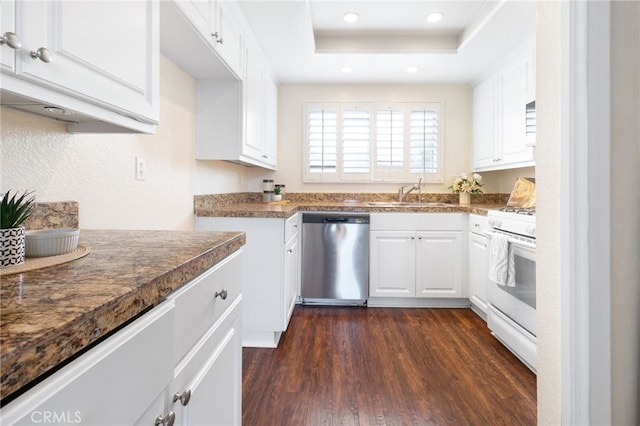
x=457 y=132
x=548 y=197
x=98 y=170
x=625 y=226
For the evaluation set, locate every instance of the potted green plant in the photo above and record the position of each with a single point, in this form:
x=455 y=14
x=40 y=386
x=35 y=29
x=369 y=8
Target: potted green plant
x=14 y=210
x=277 y=193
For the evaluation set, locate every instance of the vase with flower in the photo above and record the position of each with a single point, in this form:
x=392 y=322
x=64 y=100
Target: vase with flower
x=465 y=186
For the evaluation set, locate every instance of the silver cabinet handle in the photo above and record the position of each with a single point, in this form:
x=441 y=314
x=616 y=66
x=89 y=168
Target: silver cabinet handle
x=290 y=251
x=222 y=293
x=183 y=397
x=166 y=421
x=11 y=40
x=43 y=54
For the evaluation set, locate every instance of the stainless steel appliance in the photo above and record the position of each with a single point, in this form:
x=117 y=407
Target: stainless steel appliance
x=511 y=314
x=335 y=258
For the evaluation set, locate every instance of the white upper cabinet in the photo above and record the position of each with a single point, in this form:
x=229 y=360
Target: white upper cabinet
x=237 y=119
x=499 y=115
x=219 y=25
x=260 y=103
x=228 y=34
x=10 y=40
x=99 y=59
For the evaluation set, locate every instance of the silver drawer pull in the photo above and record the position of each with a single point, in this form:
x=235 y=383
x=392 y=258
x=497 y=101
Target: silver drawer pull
x=11 y=40
x=222 y=293
x=43 y=54
x=183 y=397
x=166 y=421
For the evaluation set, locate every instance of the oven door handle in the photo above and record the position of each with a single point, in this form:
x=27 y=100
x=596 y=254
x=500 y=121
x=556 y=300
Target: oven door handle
x=515 y=241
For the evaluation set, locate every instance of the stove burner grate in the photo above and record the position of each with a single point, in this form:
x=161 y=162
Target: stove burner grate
x=519 y=210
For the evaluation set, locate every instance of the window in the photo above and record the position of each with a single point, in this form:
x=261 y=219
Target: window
x=373 y=142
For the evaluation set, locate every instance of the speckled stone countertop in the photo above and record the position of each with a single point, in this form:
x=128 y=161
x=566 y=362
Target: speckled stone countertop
x=247 y=205
x=48 y=315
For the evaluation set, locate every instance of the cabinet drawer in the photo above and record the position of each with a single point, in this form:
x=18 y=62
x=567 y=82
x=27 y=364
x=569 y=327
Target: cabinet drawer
x=212 y=373
x=291 y=227
x=197 y=307
x=478 y=224
x=111 y=384
x=416 y=221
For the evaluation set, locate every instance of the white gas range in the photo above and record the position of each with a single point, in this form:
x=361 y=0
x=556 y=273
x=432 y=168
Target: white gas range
x=511 y=291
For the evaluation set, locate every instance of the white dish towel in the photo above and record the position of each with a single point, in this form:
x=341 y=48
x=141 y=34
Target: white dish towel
x=501 y=261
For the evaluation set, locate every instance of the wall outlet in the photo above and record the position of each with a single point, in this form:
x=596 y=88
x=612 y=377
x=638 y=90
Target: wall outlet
x=141 y=169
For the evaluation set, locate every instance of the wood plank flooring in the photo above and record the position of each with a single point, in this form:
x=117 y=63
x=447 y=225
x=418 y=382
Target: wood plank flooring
x=381 y=366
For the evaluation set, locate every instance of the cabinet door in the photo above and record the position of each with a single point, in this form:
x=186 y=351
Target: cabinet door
x=8 y=24
x=254 y=105
x=478 y=270
x=200 y=13
x=212 y=373
x=229 y=40
x=484 y=124
x=440 y=261
x=291 y=274
x=112 y=384
x=392 y=264
x=514 y=90
x=271 y=121
x=104 y=52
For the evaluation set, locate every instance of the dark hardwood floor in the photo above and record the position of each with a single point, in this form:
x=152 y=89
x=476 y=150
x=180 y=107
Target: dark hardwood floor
x=381 y=366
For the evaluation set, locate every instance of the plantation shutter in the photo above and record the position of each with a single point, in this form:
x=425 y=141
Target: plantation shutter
x=322 y=139
x=356 y=141
x=423 y=135
x=390 y=138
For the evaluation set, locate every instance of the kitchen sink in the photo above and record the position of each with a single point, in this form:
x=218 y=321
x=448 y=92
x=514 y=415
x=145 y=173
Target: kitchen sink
x=405 y=204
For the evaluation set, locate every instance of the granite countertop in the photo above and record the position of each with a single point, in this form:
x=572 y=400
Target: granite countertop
x=273 y=210
x=51 y=314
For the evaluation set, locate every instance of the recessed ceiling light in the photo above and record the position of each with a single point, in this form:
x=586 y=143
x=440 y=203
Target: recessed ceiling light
x=434 y=17
x=412 y=69
x=350 y=17
x=346 y=69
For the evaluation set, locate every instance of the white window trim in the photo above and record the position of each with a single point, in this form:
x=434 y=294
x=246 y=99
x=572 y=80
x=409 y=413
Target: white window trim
x=376 y=174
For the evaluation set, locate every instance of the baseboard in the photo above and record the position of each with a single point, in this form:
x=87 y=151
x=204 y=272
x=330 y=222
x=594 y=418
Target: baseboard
x=402 y=302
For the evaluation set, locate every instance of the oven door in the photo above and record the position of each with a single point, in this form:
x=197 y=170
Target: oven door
x=518 y=302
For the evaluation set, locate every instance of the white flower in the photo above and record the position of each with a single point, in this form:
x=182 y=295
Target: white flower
x=464 y=184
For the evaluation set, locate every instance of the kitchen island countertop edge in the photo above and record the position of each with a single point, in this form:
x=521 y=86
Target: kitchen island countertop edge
x=49 y=315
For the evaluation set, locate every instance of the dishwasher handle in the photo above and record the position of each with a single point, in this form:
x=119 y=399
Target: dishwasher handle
x=336 y=219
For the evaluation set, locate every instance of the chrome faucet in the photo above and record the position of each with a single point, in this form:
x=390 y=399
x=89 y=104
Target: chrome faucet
x=413 y=187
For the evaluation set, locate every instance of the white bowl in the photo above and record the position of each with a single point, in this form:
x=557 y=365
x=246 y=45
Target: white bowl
x=51 y=242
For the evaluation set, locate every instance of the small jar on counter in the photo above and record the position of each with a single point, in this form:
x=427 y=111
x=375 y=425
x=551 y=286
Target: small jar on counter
x=267 y=190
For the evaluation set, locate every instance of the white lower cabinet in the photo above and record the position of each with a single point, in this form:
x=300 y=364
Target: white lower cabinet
x=111 y=384
x=478 y=262
x=416 y=255
x=270 y=283
x=207 y=388
x=207 y=384
x=180 y=362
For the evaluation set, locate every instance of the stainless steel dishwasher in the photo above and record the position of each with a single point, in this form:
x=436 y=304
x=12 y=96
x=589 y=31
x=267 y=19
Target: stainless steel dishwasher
x=335 y=258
